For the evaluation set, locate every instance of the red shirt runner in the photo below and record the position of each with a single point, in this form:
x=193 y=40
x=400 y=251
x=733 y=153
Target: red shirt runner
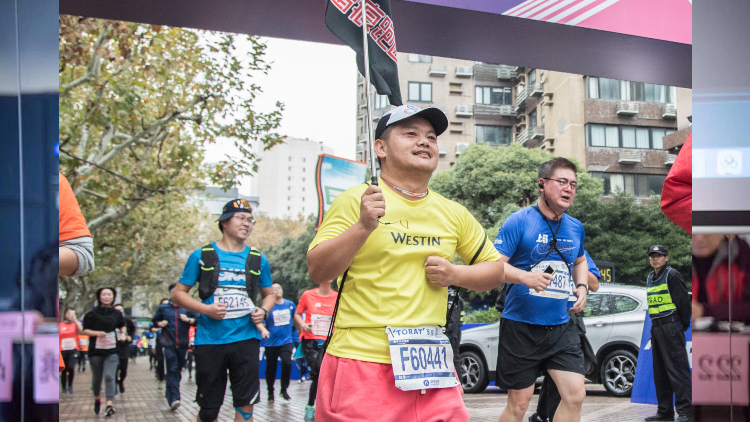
x=69 y=336
x=318 y=311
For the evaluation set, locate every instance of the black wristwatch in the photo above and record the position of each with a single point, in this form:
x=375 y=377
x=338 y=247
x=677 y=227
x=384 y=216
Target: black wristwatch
x=584 y=285
x=266 y=312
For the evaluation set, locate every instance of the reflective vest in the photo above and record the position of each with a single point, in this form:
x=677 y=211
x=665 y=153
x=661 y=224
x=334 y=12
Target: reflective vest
x=659 y=300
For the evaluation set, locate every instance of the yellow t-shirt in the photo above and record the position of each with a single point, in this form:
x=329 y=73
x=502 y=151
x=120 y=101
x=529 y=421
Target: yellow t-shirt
x=387 y=283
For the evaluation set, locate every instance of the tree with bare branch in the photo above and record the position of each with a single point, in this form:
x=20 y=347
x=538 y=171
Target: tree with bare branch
x=139 y=104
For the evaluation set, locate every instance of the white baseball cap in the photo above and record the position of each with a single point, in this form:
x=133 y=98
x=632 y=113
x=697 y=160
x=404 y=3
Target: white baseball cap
x=434 y=115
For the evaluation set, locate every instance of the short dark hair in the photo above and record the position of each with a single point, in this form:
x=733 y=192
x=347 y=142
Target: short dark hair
x=221 y=228
x=99 y=294
x=172 y=286
x=386 y=135
x=547 y=169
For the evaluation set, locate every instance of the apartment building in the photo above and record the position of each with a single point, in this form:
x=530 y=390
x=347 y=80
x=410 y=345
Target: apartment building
x=614 y=128
x=285 y=181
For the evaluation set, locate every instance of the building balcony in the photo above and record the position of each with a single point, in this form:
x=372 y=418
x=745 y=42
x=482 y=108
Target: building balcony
x=627 y=108
x=506 y=72
x=522 y=137
x=464 y=111
x=669 y=111
x=536 y=132
x=494 y=110
x=521 y=97
x=464 y=71
x=438 y=70
x=535 y=90
x=629 y=157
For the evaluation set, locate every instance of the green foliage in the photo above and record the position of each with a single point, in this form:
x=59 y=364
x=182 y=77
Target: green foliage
x=490 y=315
x=138 y=106
x=288 y=261
x=486 y=180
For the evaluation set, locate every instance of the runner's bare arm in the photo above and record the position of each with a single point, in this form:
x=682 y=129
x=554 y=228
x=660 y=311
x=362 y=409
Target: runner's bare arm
x=593 y=283
x=537 y=280
x=268 y=301
x=181 y=297
x=300 y=323
x=479 y=277
x=68 y=261
x=580 y=276
x=332 y=257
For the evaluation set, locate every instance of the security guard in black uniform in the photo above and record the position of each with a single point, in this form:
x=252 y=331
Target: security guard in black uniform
x=669 y=309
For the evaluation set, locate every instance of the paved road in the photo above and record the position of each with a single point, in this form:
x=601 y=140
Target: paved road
x=143 y=401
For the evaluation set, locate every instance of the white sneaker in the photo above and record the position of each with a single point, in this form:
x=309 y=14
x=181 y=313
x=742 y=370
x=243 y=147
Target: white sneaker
x=175 y=405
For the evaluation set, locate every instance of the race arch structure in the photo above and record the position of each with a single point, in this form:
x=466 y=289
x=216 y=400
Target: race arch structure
x=623 y=39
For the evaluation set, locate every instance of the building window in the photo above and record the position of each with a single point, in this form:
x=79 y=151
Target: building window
x=290 y=158
x=303 y=159
x=303 y=169
x=303 y=199
x=625 y=136
x=288 y=208
x=303 y=189
x=532 y=119
x=532 y=77
x=290 y=169
x=381 y=102
x=493 y=95
x=614 y=89
x=289 y=178
x=493 y=135
x=288 y=198
x=642 y=185
x=303 y=179
x=420 y=91
x=419 y=58
x=288 y=188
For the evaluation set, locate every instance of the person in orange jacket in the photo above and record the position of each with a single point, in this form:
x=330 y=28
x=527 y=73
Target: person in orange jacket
x=677 y=193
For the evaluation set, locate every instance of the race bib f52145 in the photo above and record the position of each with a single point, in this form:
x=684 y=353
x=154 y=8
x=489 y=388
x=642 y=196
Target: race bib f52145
x=421 y=357
x=236 y=300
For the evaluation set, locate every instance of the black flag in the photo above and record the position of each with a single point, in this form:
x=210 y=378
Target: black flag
x=344 y=20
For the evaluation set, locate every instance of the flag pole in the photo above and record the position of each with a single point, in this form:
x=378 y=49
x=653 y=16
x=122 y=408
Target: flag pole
x=371 y=142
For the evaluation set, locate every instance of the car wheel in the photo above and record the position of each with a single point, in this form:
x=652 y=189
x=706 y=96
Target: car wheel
x=475 y=378
x=618 y=372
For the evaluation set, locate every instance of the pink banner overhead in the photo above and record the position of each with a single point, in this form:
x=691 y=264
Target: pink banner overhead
x=668 y=20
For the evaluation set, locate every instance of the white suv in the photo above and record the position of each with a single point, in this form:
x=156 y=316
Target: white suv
x=614 y=319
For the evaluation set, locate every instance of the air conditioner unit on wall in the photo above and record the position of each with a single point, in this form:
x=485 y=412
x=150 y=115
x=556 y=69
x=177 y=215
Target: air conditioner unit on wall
x=464 y=110
x=464 y=71
x=460 y=147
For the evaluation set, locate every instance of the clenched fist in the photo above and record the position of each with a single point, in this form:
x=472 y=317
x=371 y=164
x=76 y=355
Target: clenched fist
x=440 y=272
x=371 y=208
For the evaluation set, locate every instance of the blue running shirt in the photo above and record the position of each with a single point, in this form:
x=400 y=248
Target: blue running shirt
x=280 y=323
x=525 y=239
x=211 y=331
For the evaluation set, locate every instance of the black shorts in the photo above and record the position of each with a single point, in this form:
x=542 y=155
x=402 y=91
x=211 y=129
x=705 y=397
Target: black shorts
x=524 y=350
x=211 y=364
x=310 y=349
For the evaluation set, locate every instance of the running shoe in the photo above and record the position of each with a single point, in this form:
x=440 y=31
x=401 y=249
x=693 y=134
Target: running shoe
x=122 y=387
x=175 y=404
x=63 y=391
x=109 y=412
x=535 y=418
x=285 y=396
x=270 y=397
x=97 y=406
x=161 y=385
x=301 y=380
x=309 y=413
x=70 y=390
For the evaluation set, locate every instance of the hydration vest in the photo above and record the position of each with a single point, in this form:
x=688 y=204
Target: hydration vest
x=659 y=300
x=208 y=278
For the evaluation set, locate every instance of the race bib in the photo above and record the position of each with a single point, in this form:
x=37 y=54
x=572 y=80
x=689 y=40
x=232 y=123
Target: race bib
x=320 y=324
x=282 y=317
x=559 y=287
x=421 y=357
x=109 y=341
x=83 y=341
x=68 y=343
x=236 y=300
